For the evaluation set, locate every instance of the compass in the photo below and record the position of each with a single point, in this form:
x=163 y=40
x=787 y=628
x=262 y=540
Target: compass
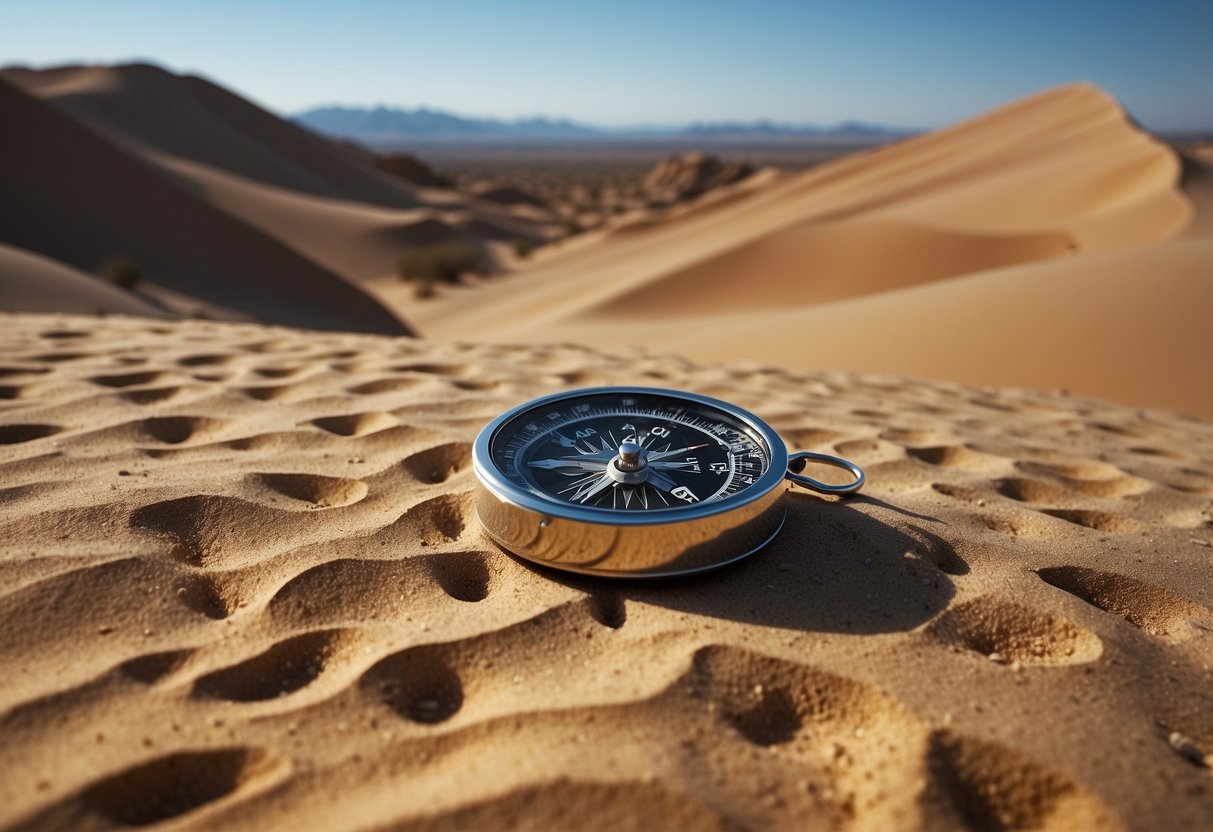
x=636 y=481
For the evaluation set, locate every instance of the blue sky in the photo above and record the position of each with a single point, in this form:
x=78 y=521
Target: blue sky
x=917 y=64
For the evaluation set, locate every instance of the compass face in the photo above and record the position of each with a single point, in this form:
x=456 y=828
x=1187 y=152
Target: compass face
x=632 y=450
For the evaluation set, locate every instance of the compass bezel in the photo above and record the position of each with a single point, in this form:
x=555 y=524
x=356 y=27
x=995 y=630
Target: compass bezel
x=496 y=481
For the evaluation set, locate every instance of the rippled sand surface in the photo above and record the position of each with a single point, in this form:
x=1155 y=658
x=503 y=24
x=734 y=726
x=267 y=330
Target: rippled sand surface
x=242 y=587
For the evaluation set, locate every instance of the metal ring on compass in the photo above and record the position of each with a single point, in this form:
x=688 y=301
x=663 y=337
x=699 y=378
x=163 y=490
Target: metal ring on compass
x=796 y=464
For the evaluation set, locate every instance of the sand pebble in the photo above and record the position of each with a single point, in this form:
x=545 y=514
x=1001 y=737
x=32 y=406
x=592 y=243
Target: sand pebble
x=1186 y=748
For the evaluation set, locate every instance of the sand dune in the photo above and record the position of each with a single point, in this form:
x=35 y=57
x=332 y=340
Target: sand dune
x=307 y=193
x=354 y=239
x=244 y=588
x=190 y=118
x=32 y=283
x=1037 y=245
x=82 y=200
x=1045 y=222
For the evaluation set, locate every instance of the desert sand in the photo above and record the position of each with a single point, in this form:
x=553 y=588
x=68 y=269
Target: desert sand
x=1048 y=244
x=221 y=200
x=243 y=588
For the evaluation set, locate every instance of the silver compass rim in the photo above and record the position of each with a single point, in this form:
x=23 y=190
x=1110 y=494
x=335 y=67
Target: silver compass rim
x=495 y=481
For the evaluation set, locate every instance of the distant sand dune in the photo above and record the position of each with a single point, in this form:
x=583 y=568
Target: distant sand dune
x=191 y=118
x=304 y=191
x=356 y=239
x=82 y=200
x=1025 y=247
x=850 y=259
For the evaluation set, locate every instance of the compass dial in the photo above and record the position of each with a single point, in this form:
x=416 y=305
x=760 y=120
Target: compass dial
x=630 y=451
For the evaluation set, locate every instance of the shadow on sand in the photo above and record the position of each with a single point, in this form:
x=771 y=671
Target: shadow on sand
x=833 y=568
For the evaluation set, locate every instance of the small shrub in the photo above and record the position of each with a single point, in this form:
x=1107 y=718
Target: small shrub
x=122 y=272
x=424 y=289
x=523 y=247
x=438 y=263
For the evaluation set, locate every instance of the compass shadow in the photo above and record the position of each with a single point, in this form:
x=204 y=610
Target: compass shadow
x=834 y=567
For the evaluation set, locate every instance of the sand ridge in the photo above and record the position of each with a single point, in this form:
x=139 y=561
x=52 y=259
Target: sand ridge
x=243 y=586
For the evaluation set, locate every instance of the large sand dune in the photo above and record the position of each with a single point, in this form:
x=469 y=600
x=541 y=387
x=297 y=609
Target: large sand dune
x=1036 y=245
x=243 y=588
x=310 y=195
x=72 y=195
x=191 y=118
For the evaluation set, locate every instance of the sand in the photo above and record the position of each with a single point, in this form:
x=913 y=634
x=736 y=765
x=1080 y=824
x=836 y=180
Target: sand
x=120 y=207
x=243 y=588
x=325 y=203
x=33 y=283
x=1047 y=244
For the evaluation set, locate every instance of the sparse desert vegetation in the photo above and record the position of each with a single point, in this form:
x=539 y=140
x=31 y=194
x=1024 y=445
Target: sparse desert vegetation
x=444 y=262
x=122 y=272
x=583 y=185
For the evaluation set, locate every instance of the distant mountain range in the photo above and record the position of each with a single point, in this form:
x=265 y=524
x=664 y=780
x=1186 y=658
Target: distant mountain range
x=378 y=126
x=362 y=123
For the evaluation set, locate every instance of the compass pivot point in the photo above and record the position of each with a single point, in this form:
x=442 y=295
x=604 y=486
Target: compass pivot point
x=631 y=457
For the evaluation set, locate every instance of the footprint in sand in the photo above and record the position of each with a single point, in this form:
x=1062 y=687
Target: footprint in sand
x=172 y=786
x=1009 y=633
x=1145 y=605
x=286 y=667
x=316 y=490
x=419 y=684
x=18 y=434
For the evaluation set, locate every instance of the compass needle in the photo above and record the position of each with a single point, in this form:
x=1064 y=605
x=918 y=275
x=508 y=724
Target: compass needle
x=591 y=489
x=663 y=454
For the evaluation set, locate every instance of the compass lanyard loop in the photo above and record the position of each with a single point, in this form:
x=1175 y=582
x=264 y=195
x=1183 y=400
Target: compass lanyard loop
x=796 y=464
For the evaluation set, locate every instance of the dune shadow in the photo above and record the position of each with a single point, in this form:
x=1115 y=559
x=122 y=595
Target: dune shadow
x=833 y=568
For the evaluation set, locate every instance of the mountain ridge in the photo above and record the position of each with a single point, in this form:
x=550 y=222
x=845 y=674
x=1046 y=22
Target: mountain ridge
x=382 y=123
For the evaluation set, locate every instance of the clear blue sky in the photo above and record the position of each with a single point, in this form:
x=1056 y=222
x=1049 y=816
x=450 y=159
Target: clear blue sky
x=917 y=64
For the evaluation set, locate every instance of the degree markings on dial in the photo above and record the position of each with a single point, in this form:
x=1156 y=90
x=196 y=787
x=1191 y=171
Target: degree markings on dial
x=586 y=467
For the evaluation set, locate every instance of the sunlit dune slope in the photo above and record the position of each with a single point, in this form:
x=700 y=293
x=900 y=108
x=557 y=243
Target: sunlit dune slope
x=1047 y=221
